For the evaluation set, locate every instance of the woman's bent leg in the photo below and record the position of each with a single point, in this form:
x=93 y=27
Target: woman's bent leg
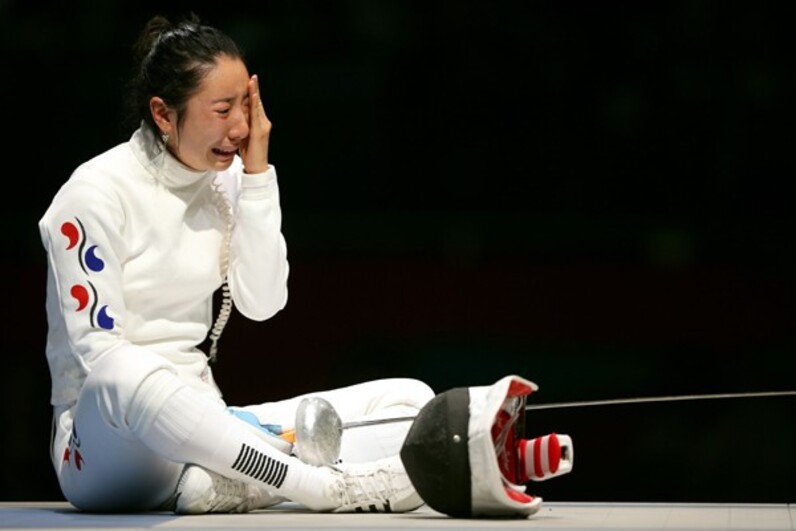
x=376 y=399
x=136 y=423
x=102 y=466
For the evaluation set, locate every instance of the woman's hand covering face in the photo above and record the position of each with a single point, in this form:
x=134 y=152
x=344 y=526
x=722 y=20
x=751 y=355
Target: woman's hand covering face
x=254 y=150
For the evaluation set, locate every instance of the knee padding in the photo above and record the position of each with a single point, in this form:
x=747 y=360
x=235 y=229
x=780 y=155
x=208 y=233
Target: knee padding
x=412 y=392
x=115 y=380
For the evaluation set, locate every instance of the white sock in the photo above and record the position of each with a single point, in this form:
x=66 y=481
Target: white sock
x=183 y=425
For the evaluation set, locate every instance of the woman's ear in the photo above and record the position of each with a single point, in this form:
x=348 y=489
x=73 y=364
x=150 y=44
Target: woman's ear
x=164 y=118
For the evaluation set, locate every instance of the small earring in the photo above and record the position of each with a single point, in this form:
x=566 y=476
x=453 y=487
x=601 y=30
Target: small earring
x=165 y=138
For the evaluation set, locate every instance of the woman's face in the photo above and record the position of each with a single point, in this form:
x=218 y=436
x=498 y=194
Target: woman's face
x=216 y=118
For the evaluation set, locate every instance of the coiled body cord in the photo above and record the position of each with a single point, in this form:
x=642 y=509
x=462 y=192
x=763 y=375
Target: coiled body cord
x=225 y=310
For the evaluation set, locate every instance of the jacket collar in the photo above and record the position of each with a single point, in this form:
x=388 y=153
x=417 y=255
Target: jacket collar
x=162 y=164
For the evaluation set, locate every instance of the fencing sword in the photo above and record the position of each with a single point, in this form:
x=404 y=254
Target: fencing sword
x=319 y=428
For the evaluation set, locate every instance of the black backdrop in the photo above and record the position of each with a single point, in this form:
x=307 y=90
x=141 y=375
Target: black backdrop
x=594 y=195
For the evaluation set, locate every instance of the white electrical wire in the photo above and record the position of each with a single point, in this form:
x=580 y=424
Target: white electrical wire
x=225 y=309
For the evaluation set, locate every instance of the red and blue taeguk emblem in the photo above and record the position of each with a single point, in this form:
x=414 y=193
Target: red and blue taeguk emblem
x=88 y=257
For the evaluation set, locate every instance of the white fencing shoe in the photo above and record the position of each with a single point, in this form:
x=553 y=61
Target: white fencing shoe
x=381 y=486
x=201 y=491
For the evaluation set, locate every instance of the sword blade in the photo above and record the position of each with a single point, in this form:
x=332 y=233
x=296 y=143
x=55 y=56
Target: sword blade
x=607 y=402
x=644 y=399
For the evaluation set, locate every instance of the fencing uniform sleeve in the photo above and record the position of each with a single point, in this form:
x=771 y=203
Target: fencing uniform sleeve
x=258 y=268
x=81 y=233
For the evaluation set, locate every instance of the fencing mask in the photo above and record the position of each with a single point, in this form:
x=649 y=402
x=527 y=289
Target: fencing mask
x=466 y=456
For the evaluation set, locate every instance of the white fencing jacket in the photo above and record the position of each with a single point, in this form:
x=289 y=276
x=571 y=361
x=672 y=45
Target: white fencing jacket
x=134 y=242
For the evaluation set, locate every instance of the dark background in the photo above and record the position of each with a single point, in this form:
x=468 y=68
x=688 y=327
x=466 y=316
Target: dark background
x=596 y=196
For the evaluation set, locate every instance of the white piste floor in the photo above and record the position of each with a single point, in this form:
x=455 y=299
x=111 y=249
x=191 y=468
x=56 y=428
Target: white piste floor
x=553 y=515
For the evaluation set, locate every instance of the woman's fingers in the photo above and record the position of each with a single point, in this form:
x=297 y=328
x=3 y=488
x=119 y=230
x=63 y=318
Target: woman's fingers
x=256 y=153
x=257 y=108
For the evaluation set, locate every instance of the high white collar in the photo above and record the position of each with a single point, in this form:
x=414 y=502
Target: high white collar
x=162 y=164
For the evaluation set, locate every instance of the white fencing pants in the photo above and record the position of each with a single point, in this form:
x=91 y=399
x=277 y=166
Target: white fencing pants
x=104 y=463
